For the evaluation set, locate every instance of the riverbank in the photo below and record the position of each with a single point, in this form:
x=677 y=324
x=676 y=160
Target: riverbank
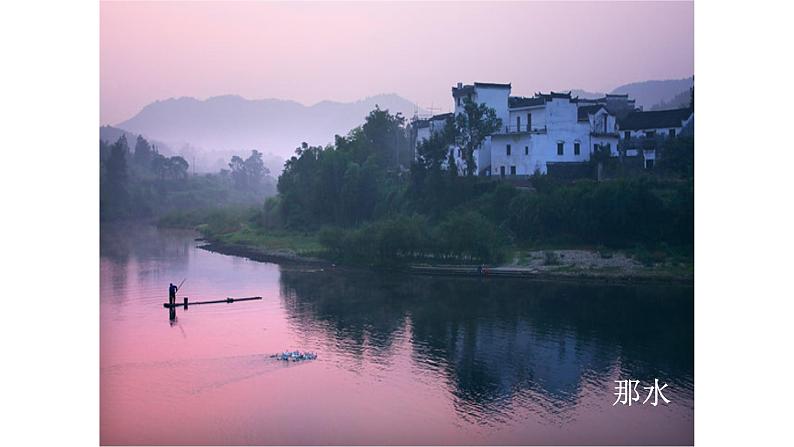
x=260 y=254
x=548 y=264
x=575 y=265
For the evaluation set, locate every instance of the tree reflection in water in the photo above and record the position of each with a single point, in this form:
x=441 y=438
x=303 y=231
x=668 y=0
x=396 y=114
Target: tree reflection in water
x=502 y=343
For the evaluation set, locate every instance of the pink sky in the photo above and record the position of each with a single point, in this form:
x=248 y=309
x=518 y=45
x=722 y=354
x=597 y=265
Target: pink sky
x=309 y=52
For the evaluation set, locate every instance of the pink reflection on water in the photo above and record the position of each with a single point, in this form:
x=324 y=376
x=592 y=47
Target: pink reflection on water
x=208 y=379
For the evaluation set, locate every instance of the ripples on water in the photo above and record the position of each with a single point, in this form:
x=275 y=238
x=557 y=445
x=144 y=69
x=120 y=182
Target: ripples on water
x=403 y=359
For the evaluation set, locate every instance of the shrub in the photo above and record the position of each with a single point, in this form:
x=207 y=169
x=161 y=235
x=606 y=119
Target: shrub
x=551 y=258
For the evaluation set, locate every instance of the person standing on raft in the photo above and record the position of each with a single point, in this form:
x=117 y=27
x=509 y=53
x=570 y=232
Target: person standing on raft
x=172 y=294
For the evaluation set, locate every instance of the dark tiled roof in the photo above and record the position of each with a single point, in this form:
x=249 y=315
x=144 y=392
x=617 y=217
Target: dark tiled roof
x=522 y=101
x=469 y=88
x=537 y=100
x=584 y=111
x=442 y=116
x=490 y=84
x=551 y=95
x=657 y=119
x=463 y=90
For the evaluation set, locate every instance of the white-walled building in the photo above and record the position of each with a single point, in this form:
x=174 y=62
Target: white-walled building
x=550 y=128
x=495 y=96
x=639 y=131
x=541 y=130
x=661 y=123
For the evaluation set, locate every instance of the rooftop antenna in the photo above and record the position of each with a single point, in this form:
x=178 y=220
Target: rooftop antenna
x=432 y=109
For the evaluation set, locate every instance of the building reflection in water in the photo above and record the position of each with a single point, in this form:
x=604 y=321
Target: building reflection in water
x=501 y=343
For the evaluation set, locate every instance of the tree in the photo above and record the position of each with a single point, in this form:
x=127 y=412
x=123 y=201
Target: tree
x=473 y=126
x=117 y=162
x=237 y=171
x=255 y=169
x=678 y=157
x=159 y=166
x=248 y=174
x=114 y=193
x=385 y=135
x=143 y=153
x=432 y=152
x=177 y=168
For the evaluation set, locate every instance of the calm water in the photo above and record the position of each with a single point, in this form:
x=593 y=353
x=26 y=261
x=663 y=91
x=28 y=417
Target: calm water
x=402 y=359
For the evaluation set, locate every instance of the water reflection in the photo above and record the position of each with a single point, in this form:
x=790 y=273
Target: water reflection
x=501 y=344
x=403 y=360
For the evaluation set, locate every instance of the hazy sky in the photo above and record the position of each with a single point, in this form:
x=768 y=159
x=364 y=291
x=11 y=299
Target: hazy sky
x=309 y=52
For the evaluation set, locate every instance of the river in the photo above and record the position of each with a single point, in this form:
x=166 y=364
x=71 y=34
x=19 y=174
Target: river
x=401 y=359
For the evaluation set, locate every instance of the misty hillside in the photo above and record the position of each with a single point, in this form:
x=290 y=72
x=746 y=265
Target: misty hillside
x=651 y=93
x=112 y=134
x=656 y=95
x=233 y=123
x=678 y=101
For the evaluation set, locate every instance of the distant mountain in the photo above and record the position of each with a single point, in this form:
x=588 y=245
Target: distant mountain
x=224 y=124
x=678 y=101
x=651 y=93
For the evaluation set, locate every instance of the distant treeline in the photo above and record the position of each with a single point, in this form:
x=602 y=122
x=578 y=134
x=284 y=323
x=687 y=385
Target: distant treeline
x=368 y=206
x=141 y=182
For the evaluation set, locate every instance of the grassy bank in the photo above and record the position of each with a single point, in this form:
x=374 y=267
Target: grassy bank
x=238 y=231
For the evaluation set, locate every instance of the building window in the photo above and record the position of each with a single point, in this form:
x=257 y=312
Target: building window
x=672 y=133
x=502 y=171
x=458 y=152
x=595 y=147
x=512 y=170
x=529 y=122
x=649 y=163
x=627 y=135
x=518 y=124
x=576 y=149
x=509 y=149
x=560 y=148
x=526 y=150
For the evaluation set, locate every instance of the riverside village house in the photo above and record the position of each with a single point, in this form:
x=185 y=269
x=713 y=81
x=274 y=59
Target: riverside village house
x=554 y=131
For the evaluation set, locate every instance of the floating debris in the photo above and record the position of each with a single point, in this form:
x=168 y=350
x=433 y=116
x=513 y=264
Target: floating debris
x=295 y=356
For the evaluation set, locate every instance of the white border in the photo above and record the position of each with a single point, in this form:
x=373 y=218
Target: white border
x=49 y=185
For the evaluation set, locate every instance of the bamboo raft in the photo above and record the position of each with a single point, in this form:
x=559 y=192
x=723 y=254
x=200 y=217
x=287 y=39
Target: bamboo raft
x=184 y=304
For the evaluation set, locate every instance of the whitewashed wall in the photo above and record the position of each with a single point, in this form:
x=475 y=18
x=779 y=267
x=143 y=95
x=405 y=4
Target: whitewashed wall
x=532 y=152
x=538 y=117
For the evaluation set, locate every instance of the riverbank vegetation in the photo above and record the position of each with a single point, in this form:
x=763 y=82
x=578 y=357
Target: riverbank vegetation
x=141 y=183
x=357 y=202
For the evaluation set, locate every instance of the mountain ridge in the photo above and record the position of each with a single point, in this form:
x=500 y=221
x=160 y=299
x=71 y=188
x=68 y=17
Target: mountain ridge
x=223 y=124
x=231 y=122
